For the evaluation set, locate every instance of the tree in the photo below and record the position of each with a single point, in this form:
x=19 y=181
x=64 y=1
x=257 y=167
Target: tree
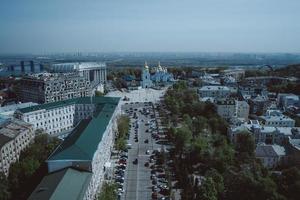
x=4 y=187
x=208 y=190
x=289 y=183
x=108 y=192
x=98 y=93
x=218 y=180
x=183 y=136
x=245 y=146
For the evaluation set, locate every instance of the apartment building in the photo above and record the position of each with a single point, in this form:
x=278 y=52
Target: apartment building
x=15 y=135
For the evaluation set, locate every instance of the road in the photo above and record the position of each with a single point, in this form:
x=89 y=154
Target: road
x=137 y=177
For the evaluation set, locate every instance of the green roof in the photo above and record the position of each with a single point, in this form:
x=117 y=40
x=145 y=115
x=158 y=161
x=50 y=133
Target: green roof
x=80 y=100
x=83 y=141
x=64 y=184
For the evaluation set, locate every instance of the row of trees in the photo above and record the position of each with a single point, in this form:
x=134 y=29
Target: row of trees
x=108 y=192
x=123 y=129
x=201 y=150
x=27 y=172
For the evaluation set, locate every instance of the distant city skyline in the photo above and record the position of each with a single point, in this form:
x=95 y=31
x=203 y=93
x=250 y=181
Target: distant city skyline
x=57 y=26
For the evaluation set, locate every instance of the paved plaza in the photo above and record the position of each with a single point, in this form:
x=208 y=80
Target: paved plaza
x=141 y=95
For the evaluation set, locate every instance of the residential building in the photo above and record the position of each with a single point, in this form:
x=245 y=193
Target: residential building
x=214 y=91
x=259 y=104
x=276 y=119
x=9 y=110
x=46 y=88
x=243 y=109
x=226 y=108
x=237 y=74
x=285 y=101
x=270 y=155
x=15 y=135
x=232 y=110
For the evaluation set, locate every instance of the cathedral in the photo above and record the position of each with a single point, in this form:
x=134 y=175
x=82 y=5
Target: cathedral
x=159 y=76
x=146 y=77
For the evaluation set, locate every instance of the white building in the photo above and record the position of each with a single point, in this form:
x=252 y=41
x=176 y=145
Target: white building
x=264 y=134
x=89 y=145
x=276 y=119
x=287 y=100
x=242 y=108
x=15 y=135
x=237 y=74
x=53 y=118
x=270 y=155
x=226 y=108
x=232 y=110
x=214 y=91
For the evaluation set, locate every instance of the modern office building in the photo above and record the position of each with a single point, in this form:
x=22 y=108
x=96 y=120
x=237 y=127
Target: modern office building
x=94 y=72
x=15 y=135
x=45 y=87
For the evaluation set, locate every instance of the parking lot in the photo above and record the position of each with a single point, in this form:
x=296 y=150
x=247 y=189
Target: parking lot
x=142 y=167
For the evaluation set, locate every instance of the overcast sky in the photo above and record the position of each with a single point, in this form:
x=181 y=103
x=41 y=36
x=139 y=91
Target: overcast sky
x=38 y=26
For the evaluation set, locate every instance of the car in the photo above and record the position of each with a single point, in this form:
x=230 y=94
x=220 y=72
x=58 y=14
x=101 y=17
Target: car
x=148 y=152
x=136 y=140
x=119 y=180
x=160 y=170
x=147 y=164
x=146 y=141
x=122 y=159
x=154 y=182
x=154 y=188
x=135 y=161
x=121 y=167
x=161 y=175
x=152 y=176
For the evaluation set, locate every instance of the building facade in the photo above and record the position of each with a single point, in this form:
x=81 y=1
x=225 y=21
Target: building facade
x=88 y=147
x=214 y=91
x=226 y=108
x=15 y=135
x=46 y=88
x=146 y=81
x=270 y=155
x=94 y=72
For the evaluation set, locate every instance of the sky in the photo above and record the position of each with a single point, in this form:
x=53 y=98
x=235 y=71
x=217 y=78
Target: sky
x=35 y=26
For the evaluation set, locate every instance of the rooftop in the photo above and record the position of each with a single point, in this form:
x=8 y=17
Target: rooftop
x=267 y=150
x=81 y=100
x=214 y=87
x=83 y=141
x=67 y=183
x=11 y=129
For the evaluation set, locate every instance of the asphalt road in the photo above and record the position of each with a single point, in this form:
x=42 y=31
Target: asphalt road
x=137 y=177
